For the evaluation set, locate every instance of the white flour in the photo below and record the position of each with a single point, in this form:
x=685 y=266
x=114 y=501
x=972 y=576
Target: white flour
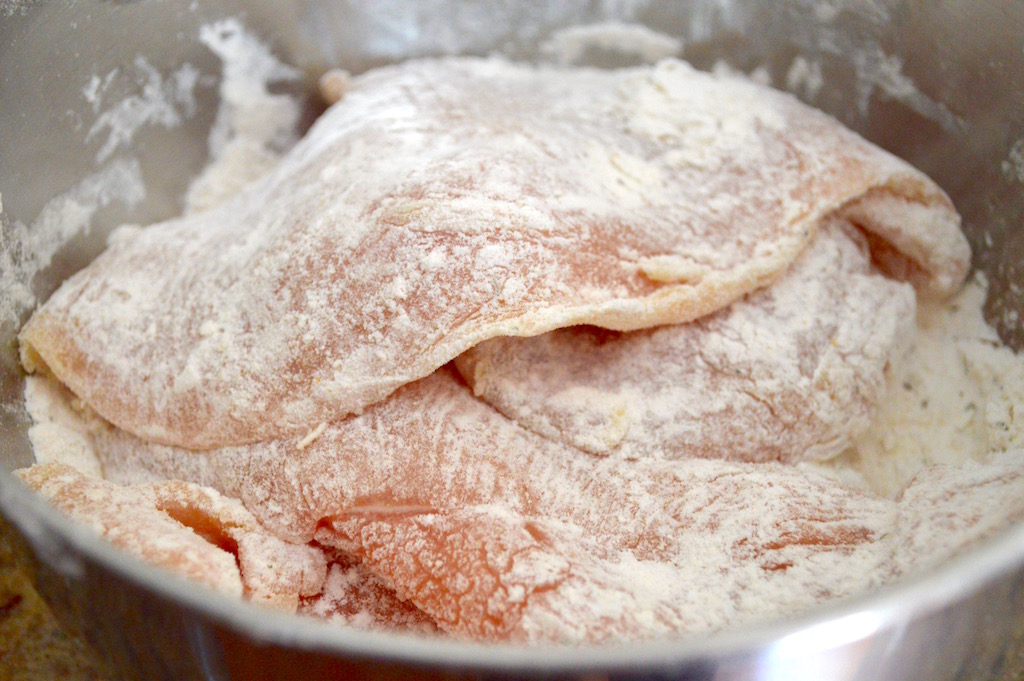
x=61 y=430
x=759 y=75
x=157 y=99
x=804 y=78
x=877 y=70
x=951 y=401
x=253 y=126
x=791 y=372
x=1013 y=166
x=25 y=251
x=390 y=30
x=570 y=45
x=162 y=101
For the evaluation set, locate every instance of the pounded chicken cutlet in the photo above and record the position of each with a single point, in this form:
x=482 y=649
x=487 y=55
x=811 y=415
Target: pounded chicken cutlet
x=444 y=202
x=790 y=373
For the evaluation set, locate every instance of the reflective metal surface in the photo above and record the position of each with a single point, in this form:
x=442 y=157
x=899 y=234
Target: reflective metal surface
x=941 y=84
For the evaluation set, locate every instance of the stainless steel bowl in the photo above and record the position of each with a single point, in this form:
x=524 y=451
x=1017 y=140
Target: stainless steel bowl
x=941 y=84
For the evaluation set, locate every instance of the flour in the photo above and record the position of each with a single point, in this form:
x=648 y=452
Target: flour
x=158 y=99
x=486 y=489
x=1013 y=166
x=353 y=596
x=94 y=89
x=253 y=126
x=61 y=430
x=760 y=74
x=162 y=101
x=25 y=251
x=392 y=30
x=628 y=41
x=192 y=531
x=804 y=78
x=954 y=399
x=722 y=543
x=877 y=70
x=710 y=544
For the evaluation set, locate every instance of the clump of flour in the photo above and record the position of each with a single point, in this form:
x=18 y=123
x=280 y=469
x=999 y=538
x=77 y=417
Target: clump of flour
x=627 y=41
x=61 y=432
x=254 y=126
x=952 y=400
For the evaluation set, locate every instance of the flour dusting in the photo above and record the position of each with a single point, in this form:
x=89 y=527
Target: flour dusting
x=877 y=70
x=25 y=251
x=760 y=74
x=630 y=41
x=163 y=101
x=804 y=78
x=353 y=596
x=789 y=373
x=62 y=427
x=952 y=400
x=1013 y=166
x=253 y=126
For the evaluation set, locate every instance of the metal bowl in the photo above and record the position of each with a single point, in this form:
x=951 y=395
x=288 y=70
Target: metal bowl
x=940 y=84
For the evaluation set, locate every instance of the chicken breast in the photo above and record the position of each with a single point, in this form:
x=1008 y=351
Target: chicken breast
x=442 y=203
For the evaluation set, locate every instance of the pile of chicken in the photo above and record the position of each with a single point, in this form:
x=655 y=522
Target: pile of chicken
x=519 y=353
